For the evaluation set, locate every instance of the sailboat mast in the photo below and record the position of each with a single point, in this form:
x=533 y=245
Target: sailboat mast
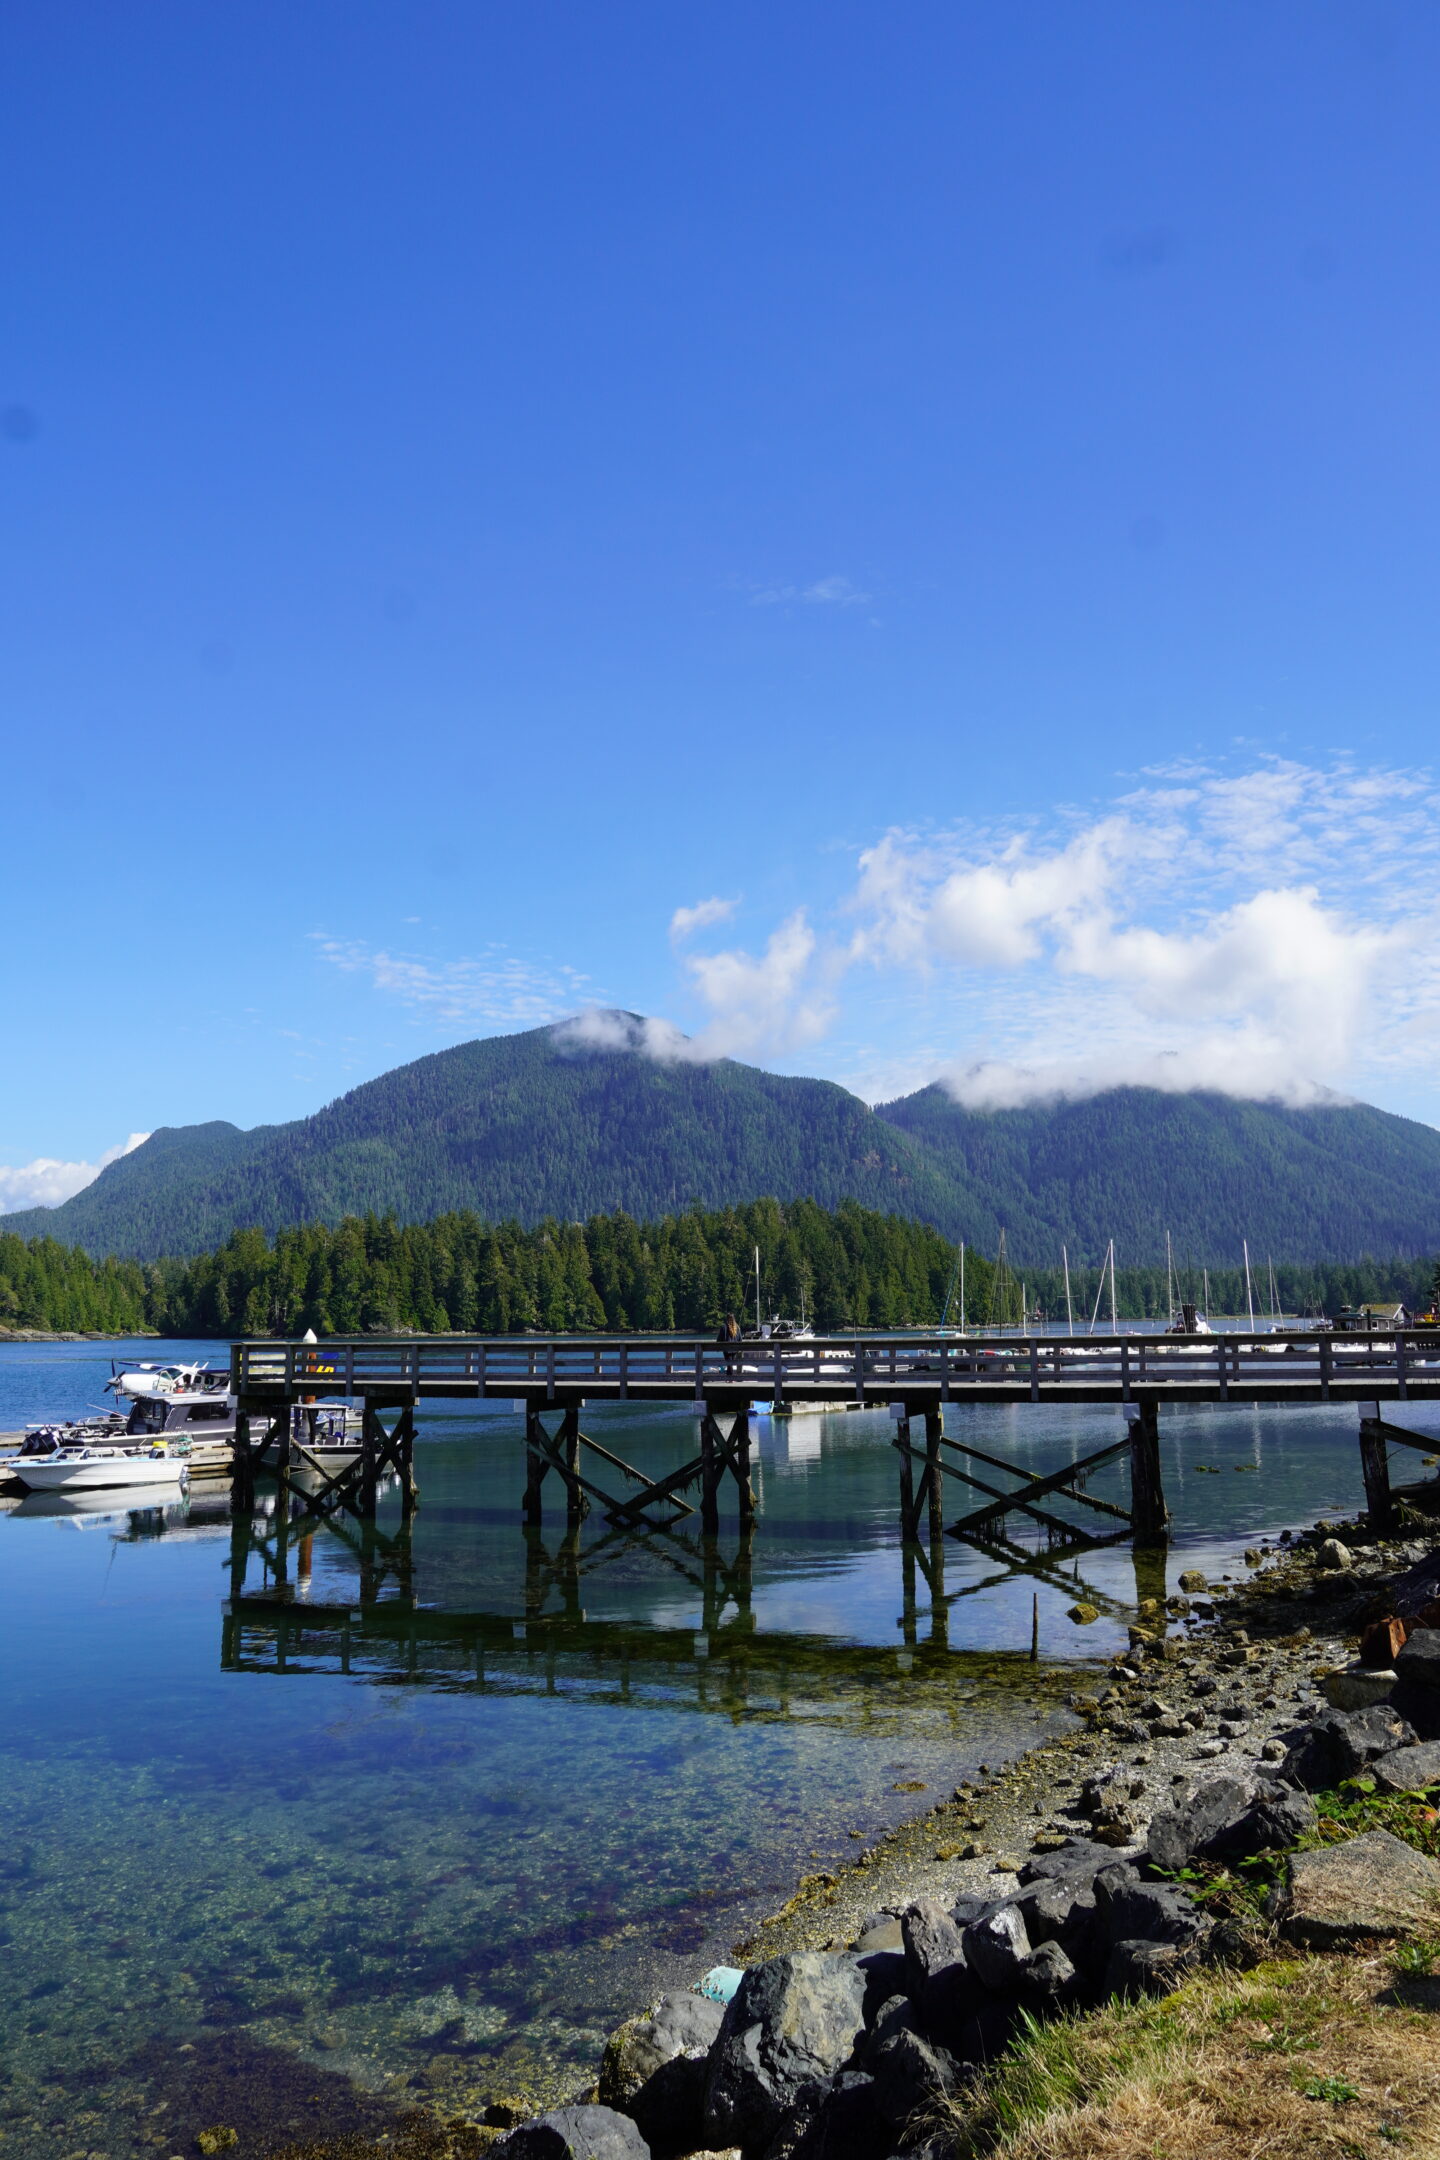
x=1069 y=1308
x=1169 y=1276
x=1274 y=1307
x=1114 y=1316
x=962 y=1285
x=1205 y=1278
x=1249 y=1287
x=757 y=1290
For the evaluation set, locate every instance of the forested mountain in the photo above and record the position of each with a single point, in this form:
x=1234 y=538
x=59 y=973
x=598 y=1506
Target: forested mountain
x=520 y=1126
x=1331 y=1183
x=535 y=1126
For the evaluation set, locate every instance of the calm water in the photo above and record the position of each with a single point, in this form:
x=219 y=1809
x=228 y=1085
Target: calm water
x=239 y=1882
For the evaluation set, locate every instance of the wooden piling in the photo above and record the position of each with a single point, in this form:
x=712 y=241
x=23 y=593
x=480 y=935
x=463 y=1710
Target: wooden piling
x=536 y=1470
x=909 y=1506
x=934 y=1482
x=1149 y=1516
x=1375 y=1468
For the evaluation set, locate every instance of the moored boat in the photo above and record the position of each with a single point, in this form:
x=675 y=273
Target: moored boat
x=97 y=1467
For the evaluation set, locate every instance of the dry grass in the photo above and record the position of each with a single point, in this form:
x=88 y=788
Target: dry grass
x=1297 y=2059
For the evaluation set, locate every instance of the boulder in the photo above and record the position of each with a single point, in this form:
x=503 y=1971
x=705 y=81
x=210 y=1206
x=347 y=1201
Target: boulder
x=832 y=2119
x=1407 y=1769
x=932 y=1939
x=881 y=1931
x=1273 y=1825
x=1341 y=1742
x=1419 y=1660
x=1373 y=1885
x=575 y=2133
x=1192 y=1827
x=911 y=2076
x=793 y=2020
x=1077 y=1860
x=1193 y=1581
x=1128 y=1910
x=1334 y=1556
x=996 y=1949
x=1058 y=1909
x=1357 y=1686
x=1049 y=1980
x=987 y=2032
x=1142 y=1967
x=679 y=2024
x=896 y=2015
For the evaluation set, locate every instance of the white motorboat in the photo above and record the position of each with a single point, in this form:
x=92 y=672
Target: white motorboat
x=98 y=1468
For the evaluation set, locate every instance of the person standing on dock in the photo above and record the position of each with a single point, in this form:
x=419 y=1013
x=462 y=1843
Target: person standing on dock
x=729 y=1335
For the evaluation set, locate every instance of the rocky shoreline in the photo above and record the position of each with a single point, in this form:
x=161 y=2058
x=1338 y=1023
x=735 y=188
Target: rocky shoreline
x=870 y=2004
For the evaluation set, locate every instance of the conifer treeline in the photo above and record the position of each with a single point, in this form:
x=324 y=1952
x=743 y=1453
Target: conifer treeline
x=844 y=1267
x=847 y=1267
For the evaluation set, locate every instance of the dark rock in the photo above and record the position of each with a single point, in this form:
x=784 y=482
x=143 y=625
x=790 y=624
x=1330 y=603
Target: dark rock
x=996 y=1949
x=1419 y=1661
x=1128 y=1910
x=575 y=2133
x=1059 y=1909
x=883 y=1972
x=896 y=2015
x=1178 y=1833
x=948 y=1998
x=911 y=2075
x=1078 y=1859
x=1373 y=1885
x=986 y=2032
x=679 y=2024
x=970 y=1906
x=1145 y=1968
x=1341 y=1742
x=932 y=1941
x=1272 y=1825
x=1407 y=1769
x=1049 y=1980
x=654 y=2070
x=833 y=2119
x=792 y=2021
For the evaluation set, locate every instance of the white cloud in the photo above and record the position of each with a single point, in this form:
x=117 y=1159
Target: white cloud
x=1266 y=934
x=831 y=591
x=46 y=1181
x=687 y=920
x=778 y=1001
x=496 y=986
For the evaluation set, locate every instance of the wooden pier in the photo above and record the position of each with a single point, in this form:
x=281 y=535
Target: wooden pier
x=550 y=1379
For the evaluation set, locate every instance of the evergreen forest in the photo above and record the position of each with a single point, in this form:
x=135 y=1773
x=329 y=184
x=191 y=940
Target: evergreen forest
x=843 y=1267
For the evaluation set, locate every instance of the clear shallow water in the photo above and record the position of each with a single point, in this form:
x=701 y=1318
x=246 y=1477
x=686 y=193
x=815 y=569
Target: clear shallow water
x=239 y=1883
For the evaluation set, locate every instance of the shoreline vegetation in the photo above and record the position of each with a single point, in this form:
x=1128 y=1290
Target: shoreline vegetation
x=845 y=1267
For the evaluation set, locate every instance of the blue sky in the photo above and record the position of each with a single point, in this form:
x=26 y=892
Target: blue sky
x=946 y=495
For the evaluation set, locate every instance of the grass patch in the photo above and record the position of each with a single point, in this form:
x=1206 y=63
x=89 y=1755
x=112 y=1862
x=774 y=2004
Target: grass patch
x=1299 y=2057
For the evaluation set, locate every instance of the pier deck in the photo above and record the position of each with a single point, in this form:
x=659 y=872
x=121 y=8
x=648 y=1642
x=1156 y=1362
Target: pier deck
x=877 y=1368
x=917 y=1376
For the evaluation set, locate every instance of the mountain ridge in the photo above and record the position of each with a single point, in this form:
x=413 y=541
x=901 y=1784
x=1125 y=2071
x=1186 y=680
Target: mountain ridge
x=548 y=1124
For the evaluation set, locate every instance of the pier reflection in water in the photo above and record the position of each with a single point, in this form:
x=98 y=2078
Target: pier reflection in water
x=542 y=1775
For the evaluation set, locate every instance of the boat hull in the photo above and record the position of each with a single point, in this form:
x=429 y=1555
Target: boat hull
x=102 y=1473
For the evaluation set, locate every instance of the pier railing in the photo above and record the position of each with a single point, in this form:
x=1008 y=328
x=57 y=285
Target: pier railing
x=870 y=1367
